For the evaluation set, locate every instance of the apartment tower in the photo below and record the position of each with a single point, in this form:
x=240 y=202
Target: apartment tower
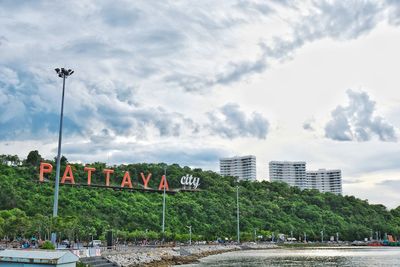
x=244 y=168
x=290 y=172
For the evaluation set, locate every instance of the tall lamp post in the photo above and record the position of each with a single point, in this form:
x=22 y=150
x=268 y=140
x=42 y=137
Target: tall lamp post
x=62 y=73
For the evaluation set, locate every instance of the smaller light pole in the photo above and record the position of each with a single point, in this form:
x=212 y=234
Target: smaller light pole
x=322 y=236
x=255 y=235
x=163 y=214
x=190 y=234
x=237 y=213
x=337 y=237
x=305 y=237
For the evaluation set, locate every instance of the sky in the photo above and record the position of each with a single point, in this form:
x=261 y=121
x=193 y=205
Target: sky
x=189 y=82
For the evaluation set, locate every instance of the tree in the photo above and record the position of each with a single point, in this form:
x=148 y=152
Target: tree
x=63 y=160
x=34 y=158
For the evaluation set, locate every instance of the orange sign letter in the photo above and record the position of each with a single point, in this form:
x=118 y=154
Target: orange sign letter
x=44 y=168
x=163 y=183
x=89 y=171
x=145 y=180
x=70 y=177
x=126 y=180
x=107 y=173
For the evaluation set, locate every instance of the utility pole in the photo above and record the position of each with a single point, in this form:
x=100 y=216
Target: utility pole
x=337 y=236
x=255 y=235
x=322 y=236
x=305 y=237
x=237 y=213
x=62 y=73
x=163 y=213
x=190 y=234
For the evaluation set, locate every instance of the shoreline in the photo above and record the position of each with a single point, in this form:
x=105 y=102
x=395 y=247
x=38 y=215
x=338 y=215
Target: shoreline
x=170 y=256
x=180 y=260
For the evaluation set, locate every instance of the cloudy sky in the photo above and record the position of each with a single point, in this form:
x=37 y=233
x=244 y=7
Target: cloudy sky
x=189 y=82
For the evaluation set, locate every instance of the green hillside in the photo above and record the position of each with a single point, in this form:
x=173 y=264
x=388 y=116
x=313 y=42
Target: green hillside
x=26 y=207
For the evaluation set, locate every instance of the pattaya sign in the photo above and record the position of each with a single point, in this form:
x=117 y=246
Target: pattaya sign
x=188 y=181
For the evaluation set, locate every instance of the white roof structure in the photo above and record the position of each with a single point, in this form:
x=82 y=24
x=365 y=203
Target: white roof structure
x=38 y=256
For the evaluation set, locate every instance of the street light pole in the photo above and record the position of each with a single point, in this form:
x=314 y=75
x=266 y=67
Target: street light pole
x=163 y=214
x=190 y=234
x=237 y=213
x=62 y=73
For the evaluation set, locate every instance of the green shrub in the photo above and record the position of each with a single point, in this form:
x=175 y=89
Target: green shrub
x=47 y=245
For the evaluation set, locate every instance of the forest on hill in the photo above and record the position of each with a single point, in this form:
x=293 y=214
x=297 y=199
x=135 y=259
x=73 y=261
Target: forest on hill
x=269 y=208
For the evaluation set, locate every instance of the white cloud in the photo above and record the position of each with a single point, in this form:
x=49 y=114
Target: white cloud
x=357 y=121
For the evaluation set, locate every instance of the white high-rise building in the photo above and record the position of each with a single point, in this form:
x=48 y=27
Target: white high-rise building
x=290 y=172
x=325 y=180
x=244 y=168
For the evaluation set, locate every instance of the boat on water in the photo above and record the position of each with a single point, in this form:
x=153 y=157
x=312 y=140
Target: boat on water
x=388 y=241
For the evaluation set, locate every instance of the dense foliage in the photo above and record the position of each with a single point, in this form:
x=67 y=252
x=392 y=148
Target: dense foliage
x=26 y=207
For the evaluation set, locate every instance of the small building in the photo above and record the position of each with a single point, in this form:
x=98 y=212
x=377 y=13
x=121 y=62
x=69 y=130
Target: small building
x=37 y=258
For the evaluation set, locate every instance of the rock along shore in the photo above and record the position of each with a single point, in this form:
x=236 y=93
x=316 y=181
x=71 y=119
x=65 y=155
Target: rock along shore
x=169 y=256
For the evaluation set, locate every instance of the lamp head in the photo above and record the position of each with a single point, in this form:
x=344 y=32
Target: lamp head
x=63 y=73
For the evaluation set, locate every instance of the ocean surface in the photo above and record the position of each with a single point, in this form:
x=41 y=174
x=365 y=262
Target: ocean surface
x=352 y=256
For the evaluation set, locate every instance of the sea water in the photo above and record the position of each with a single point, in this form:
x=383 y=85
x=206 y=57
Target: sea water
x=349 y=256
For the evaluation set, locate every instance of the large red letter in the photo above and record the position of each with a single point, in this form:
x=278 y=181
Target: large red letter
x=107 y=173
x=70 y=177
x=145 y=180
x=126 y=180
x=44 y=168
x=163 y=183
x=89 y=171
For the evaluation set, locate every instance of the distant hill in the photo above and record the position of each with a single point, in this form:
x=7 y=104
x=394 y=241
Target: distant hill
x=26 y=207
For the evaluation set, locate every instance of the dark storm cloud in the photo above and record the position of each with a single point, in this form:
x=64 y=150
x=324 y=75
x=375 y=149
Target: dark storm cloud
x=230 y=122
x=357 y=121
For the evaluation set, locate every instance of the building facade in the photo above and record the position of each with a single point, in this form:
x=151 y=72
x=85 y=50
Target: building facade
x=244 y=168
x=290 y=172
x=325 y=181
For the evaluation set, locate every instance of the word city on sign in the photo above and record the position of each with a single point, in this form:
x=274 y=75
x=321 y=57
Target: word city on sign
x=190 y=181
